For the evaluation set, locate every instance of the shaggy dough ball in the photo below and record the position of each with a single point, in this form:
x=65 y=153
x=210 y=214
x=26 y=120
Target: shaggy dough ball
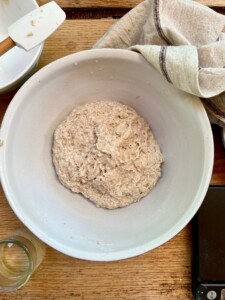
x=107 y=152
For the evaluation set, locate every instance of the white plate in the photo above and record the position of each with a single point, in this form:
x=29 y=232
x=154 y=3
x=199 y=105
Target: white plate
x=17 y=64
x=70 y=223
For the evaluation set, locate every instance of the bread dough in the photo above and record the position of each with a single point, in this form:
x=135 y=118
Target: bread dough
x=107 y=152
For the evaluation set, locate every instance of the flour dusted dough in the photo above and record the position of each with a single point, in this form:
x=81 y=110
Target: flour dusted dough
x=107 y=152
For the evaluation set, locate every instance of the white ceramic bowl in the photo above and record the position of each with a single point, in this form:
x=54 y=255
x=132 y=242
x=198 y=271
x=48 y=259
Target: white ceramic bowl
x=16 y=65
x=70 y=223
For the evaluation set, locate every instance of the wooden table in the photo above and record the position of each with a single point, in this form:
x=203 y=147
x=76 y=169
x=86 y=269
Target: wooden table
x=164 y=273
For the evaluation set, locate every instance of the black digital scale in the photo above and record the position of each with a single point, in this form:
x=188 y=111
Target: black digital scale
x=208 y=276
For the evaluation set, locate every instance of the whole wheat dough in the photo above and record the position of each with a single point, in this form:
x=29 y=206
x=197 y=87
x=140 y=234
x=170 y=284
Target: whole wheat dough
x=107 y=152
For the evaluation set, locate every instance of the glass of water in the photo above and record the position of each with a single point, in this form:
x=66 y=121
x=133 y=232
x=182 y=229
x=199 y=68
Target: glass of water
x=20 y=255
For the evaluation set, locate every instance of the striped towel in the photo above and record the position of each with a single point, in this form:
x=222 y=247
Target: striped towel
x=184 y=41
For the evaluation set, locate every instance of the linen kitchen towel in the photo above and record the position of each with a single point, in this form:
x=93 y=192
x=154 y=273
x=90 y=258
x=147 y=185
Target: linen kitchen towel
x=183 y=40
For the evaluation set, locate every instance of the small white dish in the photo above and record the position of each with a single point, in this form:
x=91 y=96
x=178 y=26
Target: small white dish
x=67 y=221
x=16 y=65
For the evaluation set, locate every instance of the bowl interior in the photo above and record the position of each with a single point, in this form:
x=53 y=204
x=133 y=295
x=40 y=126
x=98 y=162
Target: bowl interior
x=67 y=221
x=15 y=62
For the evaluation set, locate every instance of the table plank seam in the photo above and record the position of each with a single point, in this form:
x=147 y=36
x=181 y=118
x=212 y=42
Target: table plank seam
x=81 y=13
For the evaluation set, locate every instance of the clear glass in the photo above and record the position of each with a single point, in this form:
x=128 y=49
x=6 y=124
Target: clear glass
x=21 y=253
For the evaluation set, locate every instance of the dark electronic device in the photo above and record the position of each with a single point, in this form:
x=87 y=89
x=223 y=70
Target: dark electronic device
x=208 y=227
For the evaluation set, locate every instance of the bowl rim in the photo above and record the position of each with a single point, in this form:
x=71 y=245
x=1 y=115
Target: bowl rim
x=9 y=85
x=140 y=249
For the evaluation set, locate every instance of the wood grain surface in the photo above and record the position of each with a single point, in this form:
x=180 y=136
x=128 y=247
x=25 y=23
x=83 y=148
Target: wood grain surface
x=118 y=3
x=161 y=274
x=73 y=36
